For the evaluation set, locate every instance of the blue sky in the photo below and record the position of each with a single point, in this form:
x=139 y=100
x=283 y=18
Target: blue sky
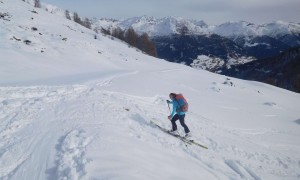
x=211 y=11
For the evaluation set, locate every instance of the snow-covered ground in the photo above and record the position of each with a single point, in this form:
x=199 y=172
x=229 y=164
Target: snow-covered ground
x=80 y=108
x=212 y=64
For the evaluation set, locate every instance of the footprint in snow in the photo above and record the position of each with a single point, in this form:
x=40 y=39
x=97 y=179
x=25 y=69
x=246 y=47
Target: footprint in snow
x=71 y=158
x=272 y=104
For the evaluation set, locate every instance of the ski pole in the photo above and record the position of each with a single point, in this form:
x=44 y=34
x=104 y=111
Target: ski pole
x=169 y=106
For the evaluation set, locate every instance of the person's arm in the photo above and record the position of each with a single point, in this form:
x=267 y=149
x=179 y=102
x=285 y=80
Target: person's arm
x=175 y=104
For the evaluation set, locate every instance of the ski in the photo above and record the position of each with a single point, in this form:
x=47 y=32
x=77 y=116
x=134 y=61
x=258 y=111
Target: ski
x=195 y=143
x=185 y=140
x=174 y=135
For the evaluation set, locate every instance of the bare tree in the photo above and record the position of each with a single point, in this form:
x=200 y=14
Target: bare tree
x=143 y=42
x=37 y=4
x=77 y=18
x=105 y=31
x=67 y=14
x=152 y=49
x=118 y=33
x=146 y=45
x=131 y=37
x=87 y=23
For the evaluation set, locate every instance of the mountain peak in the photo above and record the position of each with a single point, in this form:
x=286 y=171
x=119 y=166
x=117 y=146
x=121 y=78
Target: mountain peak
x=170 y=25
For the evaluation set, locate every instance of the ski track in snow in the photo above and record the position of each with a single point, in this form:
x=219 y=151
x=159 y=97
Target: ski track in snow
x=71 y=158
x=100 y=129
x=77 y=110
x=243 y=172
x=20 y=110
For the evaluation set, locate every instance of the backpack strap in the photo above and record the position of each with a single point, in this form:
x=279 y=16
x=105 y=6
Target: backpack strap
x=179 y=107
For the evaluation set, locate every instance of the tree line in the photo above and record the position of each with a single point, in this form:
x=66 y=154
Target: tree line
x=76 y=18
x=142 y=42
x=37 y=3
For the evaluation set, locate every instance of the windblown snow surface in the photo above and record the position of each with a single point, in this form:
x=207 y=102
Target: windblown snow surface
x=78 y=105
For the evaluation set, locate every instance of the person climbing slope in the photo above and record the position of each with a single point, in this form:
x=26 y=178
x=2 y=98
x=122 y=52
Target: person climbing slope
x=180 y=107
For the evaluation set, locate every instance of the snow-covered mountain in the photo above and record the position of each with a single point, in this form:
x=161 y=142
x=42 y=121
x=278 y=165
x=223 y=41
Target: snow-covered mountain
x=154 y=26
x=77 y=105
x=288 y=33
x=256 y=41
x=216 y=64
x=170 y=25
x=243 y=28
x=187 y=49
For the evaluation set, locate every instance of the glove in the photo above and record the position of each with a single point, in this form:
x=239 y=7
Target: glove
x=168 y=101
x=170 y=118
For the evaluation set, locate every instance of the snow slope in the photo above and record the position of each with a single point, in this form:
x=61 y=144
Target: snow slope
x=81 y=110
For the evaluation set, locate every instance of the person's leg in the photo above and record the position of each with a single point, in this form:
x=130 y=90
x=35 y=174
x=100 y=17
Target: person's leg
x=181 y=119
x=173 y=121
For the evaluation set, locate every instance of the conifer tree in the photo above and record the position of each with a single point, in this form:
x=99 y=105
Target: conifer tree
x=152 y=49
x=131 y=37
x=143 y=42
x=118 y=33
x=67 y=14
x=77 y=18
x=105 y=31
x=87 y=23
x=146 y=45
x=37 y=4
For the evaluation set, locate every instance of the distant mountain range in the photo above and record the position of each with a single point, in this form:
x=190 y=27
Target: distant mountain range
x=184 y=41
x=171 y=25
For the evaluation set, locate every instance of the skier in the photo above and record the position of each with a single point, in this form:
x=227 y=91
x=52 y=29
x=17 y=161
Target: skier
x=177 y=113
